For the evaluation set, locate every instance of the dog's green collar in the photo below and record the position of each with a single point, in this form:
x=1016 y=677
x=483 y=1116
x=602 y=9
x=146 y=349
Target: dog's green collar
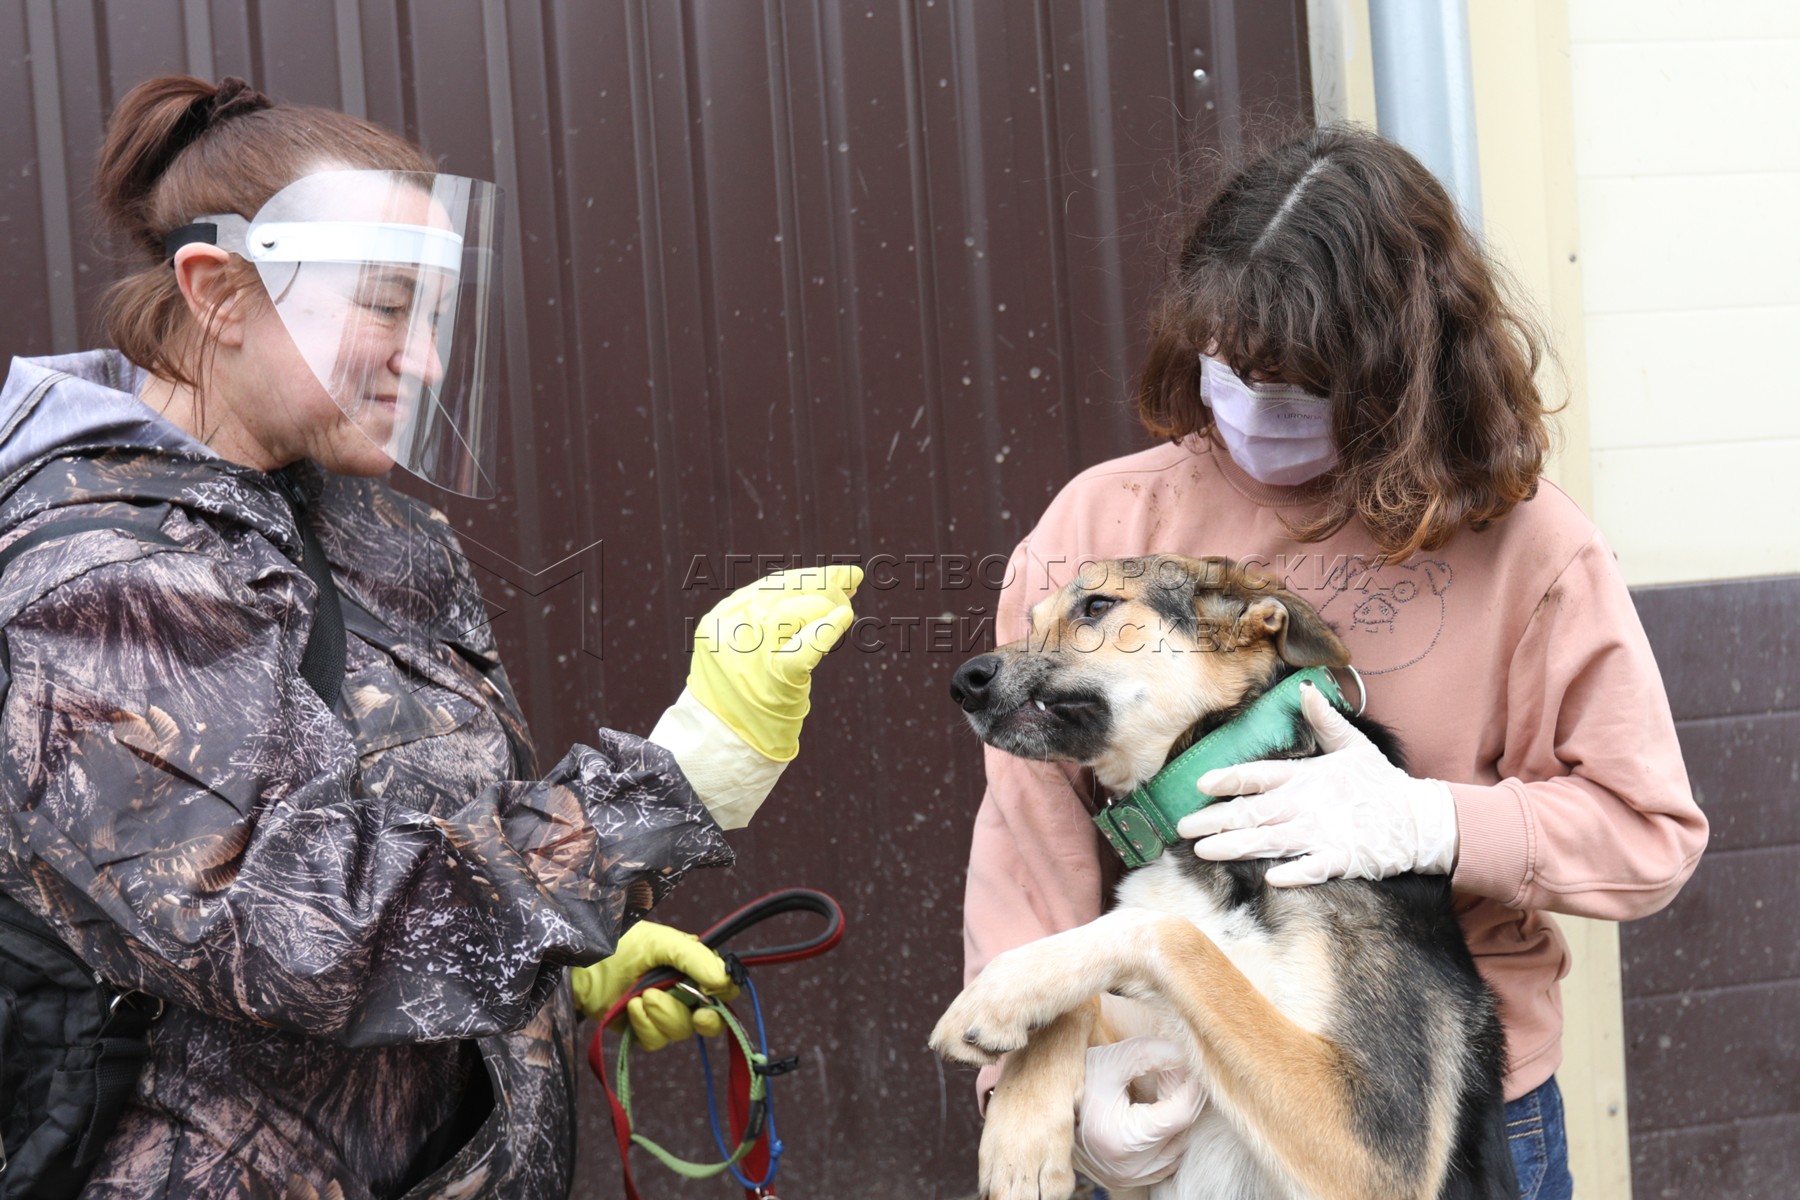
x=1143 y=823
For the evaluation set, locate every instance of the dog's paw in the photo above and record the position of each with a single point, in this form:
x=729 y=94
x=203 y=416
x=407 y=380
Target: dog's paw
x=1027 y=1160
x=1015 y=994
x=987 y=1020
x=977 y=1028
x=1041 y=1181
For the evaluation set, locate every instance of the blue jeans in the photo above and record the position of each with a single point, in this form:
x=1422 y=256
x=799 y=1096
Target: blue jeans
x=1539 y=1142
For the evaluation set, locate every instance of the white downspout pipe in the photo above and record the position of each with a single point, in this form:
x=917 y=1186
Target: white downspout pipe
x=1425 y=90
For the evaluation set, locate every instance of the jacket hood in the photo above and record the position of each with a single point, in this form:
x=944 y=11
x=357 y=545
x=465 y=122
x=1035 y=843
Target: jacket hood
x=95 y=406
x=85 y=406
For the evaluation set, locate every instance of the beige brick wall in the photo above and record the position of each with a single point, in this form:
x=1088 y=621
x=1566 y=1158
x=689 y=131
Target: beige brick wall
x=1687 y=163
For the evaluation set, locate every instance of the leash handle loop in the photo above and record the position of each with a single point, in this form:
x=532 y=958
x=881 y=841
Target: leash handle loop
x=750 y=1069
x=758 y=1096
x=734 y=924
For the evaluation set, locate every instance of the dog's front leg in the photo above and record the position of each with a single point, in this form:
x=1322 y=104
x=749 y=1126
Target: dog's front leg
x=1039 y=1003
x=1030 y=1128
x=1029 y=986
x=1288 y=1087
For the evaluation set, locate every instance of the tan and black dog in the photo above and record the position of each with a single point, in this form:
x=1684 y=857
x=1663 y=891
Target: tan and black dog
x=1346 y=1043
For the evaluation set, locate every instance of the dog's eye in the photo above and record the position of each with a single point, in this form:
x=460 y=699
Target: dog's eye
x=1096 y=606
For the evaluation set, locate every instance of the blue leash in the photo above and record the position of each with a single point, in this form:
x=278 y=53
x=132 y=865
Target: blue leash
x=759 y=1134
x=712 y=1108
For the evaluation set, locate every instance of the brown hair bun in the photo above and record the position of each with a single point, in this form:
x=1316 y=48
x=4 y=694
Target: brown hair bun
x=178 y=148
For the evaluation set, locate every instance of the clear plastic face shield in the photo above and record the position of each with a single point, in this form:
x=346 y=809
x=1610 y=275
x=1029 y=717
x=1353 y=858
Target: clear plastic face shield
x=387 y=283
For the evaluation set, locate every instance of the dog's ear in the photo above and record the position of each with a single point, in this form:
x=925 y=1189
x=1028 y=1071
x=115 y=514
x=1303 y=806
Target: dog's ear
x=1301 y=636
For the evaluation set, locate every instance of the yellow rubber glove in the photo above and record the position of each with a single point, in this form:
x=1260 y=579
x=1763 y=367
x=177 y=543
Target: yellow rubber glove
x=657 y=1018
x=754 y=653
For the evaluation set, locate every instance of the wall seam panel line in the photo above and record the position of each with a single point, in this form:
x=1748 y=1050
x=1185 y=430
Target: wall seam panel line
x=196 y=20
x=1723 y=989
x=1683 y=40
x=726 y=478
x=518 y=336
x=1180 y=76
x=1654 y=589
x=1728 y=1123
x=1698 y=310
x=970 y=131
x=528 y=532
x=1713 y=856
x=1691 y=312
x=1063 y=352
x=1703 y=174
x=1097 y=55
x=53 y=172
x=1195 y=23
x=1715 y=718
x=1223 y=56
x=841 y=245
x=793 y=299
x=1705 y=310
x=1620 y=447
x=1177 y=85
x=1303 y=60
x=353 y=91
x=254 y=28
x=409 y=74
x=103 y=64
x=656 y=323
x=1790 y=982
x=925 y=272
x=845 y=269
x=570 y=374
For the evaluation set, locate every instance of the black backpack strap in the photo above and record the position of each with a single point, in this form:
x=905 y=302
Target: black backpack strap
x=143 y=523
x=323 y=661
x=118 y=1059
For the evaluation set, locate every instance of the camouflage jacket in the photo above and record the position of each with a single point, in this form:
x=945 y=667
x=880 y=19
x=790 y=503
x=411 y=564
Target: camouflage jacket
x=359 y=919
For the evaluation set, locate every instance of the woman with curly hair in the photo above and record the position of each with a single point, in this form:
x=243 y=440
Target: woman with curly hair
x=1346 y=398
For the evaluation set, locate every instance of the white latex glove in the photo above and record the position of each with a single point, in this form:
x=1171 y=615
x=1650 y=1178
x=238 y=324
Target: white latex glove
x=1123 y=1144
x=1347 y=813
x=726 y=772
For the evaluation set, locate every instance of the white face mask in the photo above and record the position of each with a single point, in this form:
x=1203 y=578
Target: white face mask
x=1278 y=433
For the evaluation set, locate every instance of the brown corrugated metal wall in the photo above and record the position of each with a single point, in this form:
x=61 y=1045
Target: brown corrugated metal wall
x=795 y=279
x=1712 y=985
x=801 y=279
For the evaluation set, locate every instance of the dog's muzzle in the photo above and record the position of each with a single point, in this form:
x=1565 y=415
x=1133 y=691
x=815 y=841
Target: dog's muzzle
x=969 y=686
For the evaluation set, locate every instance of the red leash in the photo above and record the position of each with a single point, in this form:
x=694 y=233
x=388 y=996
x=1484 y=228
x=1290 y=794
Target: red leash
x=748 y=1116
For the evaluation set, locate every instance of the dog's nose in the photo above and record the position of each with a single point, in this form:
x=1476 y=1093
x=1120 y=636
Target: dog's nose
x=968 y=687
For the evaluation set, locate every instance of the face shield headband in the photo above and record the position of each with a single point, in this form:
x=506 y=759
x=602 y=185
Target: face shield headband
x=387 y=282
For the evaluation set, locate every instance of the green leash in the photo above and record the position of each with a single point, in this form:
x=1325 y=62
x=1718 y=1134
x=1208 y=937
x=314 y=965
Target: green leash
x=1140 y=826
x=751 y=1113
x=759 y=1091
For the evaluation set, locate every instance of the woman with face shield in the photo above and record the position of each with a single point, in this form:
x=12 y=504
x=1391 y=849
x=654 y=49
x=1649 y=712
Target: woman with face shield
x=1346 y=398
x=264 y=774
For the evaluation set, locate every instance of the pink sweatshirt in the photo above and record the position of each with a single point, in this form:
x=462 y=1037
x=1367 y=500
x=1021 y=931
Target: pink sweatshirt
x=1511 y=663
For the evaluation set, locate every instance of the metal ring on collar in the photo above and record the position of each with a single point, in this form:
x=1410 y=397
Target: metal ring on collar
x=1362 y=690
